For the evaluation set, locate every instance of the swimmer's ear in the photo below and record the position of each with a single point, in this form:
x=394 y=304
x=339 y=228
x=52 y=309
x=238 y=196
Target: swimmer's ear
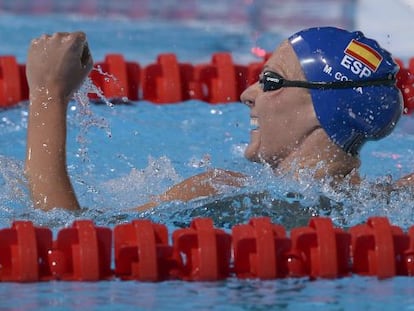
x=86 y=55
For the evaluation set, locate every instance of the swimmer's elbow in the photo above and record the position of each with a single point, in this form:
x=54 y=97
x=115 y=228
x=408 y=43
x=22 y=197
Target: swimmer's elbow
x=146 y=206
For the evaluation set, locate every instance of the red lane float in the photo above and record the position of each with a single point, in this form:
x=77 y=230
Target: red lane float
x=24 y=253
x=259 y=249
x=116 y=78
x=12 y=86
x=218 y=79
x=142 y=252
x=82 y=253
x=409 y=253
x=405 y=82
x=206 y=251
x=169 y=81
x=319 y=250
x=378 y=248
x=162 y=82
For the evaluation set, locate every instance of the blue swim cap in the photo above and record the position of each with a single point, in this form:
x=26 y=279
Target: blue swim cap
x=349 y=116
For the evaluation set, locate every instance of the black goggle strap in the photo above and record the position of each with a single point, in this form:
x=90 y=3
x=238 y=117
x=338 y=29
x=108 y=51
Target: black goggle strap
x=272 y=81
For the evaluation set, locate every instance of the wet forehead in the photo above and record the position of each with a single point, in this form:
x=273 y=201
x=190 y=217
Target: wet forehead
x=284 y=61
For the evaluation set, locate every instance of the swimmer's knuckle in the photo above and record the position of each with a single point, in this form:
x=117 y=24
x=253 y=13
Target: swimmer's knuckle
x=80 y=34
x=34 y=42
x=39 y=40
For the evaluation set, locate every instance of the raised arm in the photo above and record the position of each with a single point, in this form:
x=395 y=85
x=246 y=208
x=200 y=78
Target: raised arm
x=56 y=67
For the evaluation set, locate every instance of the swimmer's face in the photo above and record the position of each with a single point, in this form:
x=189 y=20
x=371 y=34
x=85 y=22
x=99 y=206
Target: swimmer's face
x=281 y=119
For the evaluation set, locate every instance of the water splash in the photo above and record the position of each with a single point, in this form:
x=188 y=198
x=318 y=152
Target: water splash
x=13 y=184
x=137 y=188
x=88 y=87
x=85 y=117
x=291 y=202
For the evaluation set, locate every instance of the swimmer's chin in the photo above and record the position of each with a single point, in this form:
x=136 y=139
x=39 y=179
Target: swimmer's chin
x=252 y=150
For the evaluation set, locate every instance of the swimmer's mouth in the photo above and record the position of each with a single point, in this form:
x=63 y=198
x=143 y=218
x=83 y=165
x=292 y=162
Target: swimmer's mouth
x=254 y=123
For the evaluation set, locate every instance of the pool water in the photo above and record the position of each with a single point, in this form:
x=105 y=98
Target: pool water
x=120 y=155
x=355 y=293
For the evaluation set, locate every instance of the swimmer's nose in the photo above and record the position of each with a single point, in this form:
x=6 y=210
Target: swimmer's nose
x=248 y=103
x=249 y=95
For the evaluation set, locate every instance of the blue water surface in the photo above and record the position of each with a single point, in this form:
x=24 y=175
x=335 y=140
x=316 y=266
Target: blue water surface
x=120 y=155
x=354 y=293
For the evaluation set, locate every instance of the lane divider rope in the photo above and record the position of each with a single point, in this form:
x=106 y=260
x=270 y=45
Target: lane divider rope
x=259 y=249
x=169 y=81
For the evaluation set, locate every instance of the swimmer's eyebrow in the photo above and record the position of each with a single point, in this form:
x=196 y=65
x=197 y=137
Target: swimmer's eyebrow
x=279 y=70
x=266 y=68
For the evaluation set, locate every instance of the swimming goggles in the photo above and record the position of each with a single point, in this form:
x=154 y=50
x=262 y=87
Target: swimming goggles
x=272 y=81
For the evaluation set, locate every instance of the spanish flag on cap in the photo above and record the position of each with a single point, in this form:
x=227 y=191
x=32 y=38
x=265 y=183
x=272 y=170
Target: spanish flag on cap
x=364 y=53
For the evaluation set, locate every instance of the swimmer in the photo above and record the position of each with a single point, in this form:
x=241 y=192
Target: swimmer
x=321 y=95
